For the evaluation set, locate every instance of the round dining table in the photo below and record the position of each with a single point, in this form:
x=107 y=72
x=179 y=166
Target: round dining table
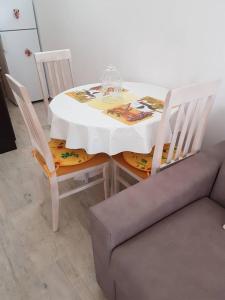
x=84 y=126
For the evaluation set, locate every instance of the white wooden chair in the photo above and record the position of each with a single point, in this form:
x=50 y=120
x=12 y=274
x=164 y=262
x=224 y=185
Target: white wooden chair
x=55 y=72
x=193 y=104
x=99 y=163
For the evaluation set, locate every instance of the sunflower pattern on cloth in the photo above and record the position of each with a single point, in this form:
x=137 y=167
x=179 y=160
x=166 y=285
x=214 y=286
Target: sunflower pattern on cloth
x=64 y=157
x=143 y=162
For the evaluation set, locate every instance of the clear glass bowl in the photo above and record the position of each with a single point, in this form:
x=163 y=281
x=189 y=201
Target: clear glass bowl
x=111 y=82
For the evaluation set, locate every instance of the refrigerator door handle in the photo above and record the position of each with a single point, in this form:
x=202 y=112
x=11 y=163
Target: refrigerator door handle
x=28 y=52
x=16 y=13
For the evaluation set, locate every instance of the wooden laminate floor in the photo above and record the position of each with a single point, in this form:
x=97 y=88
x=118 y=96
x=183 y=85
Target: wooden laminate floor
x=36 y=263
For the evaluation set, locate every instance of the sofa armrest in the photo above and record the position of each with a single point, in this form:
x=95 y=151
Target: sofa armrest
x=135 y=209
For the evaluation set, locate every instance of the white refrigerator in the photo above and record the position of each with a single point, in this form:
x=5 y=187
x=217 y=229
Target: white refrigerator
x=19 y=41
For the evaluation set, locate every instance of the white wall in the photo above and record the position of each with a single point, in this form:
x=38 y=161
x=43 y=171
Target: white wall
x=169 y=43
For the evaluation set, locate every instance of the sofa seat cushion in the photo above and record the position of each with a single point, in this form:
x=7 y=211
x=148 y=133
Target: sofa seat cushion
x=180 y=257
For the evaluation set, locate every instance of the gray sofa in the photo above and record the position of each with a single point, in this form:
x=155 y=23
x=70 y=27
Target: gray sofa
x=162 y=239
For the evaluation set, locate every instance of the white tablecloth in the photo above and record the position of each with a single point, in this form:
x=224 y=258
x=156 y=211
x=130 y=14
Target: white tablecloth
x=85 y=127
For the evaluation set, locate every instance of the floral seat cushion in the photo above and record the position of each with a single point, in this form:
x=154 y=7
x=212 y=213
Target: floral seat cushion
x=65 y=157
x=143 y=162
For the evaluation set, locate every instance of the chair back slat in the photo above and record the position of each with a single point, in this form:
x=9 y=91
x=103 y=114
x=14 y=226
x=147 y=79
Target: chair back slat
x=61 y=75
x=58 y=82
x=32 y=123
x=193 y=105
x=184 y=129
x=193 y=126
x=201 y=126
x=55 y=72
x=67 y=83
x=44 y=87
x=177 y=127
x=51 y=80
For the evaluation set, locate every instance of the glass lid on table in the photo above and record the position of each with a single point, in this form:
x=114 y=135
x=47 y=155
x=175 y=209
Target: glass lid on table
x=111 y=82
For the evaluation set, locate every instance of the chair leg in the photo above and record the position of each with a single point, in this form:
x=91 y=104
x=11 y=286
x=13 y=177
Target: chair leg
x=111 y=177
x=115 y=179
x=55 y=203
x=106 y=181
x=86 y=178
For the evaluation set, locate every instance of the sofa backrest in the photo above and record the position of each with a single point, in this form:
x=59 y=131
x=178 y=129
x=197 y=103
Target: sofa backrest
x=218 y=191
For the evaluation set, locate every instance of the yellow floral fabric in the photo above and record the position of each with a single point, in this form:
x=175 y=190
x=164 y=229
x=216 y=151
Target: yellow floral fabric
x=143 y=162
x=64 y=157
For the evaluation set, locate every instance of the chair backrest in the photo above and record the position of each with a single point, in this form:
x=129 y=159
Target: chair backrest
x=193 y=104
x=36 y=133
x=55 y=72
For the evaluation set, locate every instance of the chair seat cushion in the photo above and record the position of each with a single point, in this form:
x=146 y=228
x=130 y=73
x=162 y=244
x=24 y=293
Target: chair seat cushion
x=121 y=161
x=65 y=157
x=143 y=162
x=180 y=257
x=98 y=159
x=65 y=163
